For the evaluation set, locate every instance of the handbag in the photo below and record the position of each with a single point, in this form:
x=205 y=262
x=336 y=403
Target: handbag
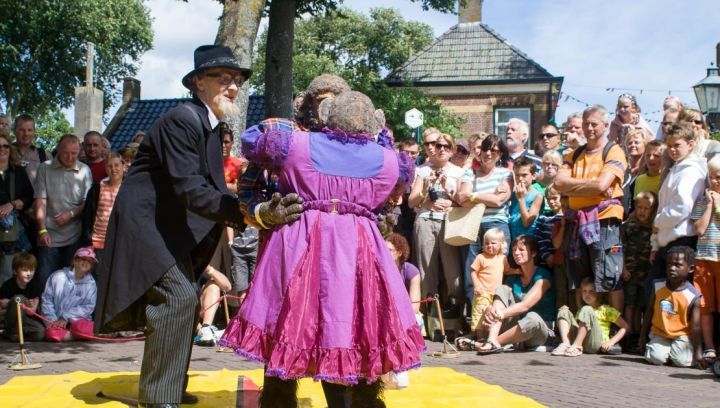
x=463 y=224
x=9 y=225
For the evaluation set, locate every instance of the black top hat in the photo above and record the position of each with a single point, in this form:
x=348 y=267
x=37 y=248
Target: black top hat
x=214 y=56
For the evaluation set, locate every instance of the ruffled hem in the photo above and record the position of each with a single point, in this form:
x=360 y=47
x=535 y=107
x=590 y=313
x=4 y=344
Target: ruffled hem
x=345 y=366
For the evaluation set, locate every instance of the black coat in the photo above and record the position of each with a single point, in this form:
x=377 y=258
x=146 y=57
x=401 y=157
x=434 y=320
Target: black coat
x=171 y=207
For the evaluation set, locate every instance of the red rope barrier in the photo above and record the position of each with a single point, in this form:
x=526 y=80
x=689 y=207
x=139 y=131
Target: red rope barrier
x=83 y=335
x=426 y=300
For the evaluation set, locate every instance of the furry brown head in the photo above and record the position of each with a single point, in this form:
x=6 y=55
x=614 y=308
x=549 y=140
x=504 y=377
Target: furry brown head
x=351 y=112
x=306 y=105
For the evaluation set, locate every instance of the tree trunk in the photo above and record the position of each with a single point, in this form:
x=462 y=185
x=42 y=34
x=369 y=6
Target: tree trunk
x=279 y=60
x=238 y=29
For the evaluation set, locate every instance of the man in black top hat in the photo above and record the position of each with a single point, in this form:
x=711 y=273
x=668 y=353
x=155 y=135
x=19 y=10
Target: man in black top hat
x=165 y=224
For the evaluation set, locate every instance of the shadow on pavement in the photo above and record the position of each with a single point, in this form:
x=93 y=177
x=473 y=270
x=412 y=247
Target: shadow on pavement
x=625 y=357
x=538 y=363
x=697 y=375
x=124 y=388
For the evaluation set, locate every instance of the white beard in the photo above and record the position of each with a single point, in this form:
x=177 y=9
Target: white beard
x=229 y=110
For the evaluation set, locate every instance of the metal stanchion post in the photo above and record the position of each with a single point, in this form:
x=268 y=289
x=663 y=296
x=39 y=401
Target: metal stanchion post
x=24 y=363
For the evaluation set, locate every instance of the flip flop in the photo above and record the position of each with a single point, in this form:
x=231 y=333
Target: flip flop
x=494 y=348
x=709 y=354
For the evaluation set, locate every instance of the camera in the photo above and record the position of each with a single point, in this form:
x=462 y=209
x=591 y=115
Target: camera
x=433 y=194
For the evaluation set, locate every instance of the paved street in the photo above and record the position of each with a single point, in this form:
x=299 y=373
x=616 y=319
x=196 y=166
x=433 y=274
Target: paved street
x=587 y=381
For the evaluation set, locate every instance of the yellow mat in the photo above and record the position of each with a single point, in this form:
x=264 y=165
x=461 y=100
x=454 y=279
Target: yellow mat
x=429 y=387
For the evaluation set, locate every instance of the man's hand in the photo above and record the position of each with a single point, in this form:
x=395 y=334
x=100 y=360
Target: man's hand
x=281 y=210
x=625 y=275
x=45 y=240
x=7 y=207
x=62 y=218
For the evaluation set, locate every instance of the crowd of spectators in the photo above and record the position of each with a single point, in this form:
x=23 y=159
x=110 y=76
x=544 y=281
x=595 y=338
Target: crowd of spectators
x=605 y=238
x=54 y=212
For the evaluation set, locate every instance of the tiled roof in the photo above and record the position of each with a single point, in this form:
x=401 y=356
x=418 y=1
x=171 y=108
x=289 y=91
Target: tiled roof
x=468 y=52
x=141 y=114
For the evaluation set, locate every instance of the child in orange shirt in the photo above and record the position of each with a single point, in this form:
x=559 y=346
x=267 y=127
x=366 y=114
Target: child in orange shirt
x=673 y=315
x=488 y=269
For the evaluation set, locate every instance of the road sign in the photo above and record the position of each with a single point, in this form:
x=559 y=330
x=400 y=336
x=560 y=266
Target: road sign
x=413 y=118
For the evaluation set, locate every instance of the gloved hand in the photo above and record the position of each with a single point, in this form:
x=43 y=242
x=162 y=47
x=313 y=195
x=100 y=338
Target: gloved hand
x=280 y=210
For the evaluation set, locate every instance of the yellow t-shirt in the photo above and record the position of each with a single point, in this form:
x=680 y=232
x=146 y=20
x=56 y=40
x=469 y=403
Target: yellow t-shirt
x=647 y=183
x=489 y=271
x=588 y=166
x=607 y=316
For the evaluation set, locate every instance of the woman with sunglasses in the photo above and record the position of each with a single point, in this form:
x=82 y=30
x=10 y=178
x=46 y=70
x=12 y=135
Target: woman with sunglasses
x=16 y=194
x=704 y=146
x=490 y=183
x=436 y=184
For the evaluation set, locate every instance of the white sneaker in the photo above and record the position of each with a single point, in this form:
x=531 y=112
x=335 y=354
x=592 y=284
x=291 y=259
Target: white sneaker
x=207 y=337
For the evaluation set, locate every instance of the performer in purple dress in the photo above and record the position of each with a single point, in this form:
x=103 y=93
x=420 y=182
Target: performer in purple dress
x=327 y=300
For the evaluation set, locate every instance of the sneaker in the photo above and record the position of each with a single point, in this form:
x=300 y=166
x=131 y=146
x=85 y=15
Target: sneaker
x=543 y=348
x=615 y=350
x=207 y=337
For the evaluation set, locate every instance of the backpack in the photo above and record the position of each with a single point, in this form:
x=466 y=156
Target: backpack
x=627 y=182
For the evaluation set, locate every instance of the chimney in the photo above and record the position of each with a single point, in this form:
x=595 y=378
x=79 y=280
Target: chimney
x=471 y=13
x=131 y=90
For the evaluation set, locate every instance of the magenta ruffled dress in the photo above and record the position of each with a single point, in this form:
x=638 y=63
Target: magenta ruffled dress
x=327 y=301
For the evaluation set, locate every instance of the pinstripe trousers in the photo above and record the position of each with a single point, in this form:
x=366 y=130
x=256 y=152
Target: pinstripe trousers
x=171 y=313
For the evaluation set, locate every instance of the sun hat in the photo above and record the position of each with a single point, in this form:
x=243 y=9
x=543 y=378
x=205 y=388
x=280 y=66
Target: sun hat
x=86 y=252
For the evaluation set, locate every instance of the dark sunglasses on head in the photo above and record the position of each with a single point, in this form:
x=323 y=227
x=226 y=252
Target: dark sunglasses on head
x=5 y=146
x=548 y=135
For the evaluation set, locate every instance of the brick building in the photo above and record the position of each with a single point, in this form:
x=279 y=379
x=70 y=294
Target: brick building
x=478 y=75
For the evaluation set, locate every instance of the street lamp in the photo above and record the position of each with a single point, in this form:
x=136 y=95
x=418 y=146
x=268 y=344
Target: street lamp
x=707 y=93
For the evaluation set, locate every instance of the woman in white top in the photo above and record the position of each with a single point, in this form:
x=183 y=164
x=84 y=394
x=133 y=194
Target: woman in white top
x=490 y=183
x=433 y=193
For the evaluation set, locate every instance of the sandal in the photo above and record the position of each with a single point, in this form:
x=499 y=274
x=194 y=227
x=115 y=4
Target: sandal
x=494 y=348
x=709 y=354
x=560 y=349
x=465 y=344
x=573 y=351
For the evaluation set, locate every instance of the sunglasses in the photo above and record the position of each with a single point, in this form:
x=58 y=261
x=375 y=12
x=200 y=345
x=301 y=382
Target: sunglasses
x=494 y=150
x=698 y=122
x=226 y=79
x=548 y=135
x=667 y=123
x=441 y=146
x=5 y=146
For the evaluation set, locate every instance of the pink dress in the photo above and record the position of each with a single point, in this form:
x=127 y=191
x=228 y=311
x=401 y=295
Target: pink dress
x=327 y=300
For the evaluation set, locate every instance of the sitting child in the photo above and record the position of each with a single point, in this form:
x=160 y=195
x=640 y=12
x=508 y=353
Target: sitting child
x=636 y=233
x=28 y=289
x=69 y=299
x=673 y=315
x=591 y=327
x=488 y=269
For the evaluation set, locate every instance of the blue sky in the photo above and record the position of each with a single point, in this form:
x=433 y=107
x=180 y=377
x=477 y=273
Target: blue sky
x=601 y=48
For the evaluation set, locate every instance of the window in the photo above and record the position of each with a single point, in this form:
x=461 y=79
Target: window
x=503 y=115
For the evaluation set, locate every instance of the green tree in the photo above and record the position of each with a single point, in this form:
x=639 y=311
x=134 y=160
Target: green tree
x=362 y=50
x=49 y=128
x=43 y=47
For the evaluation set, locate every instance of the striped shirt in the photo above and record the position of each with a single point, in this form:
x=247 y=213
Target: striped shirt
x=543 y=235
x=63 y=189
x=106 y=199
x=708 y=245
x=488 y=185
